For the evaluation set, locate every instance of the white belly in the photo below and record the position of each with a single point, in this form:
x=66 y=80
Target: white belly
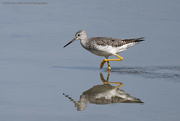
x=107 y=50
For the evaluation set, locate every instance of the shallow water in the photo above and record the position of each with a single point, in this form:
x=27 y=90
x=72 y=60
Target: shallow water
x=36 y=70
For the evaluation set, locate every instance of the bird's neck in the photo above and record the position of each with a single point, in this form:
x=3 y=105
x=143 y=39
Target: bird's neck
x=84 y=42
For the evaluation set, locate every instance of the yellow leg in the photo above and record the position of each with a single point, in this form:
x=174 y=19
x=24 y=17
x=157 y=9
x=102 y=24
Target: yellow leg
x=120 y=84
x=106 y=81
x=107 y=60
x=109 y=68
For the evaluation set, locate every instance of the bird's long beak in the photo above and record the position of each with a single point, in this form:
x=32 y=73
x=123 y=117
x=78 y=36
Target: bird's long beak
x=69 y=42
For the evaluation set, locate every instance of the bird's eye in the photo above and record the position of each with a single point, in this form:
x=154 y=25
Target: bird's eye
x=78 y=35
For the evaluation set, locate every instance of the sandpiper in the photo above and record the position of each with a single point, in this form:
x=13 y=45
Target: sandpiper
x=105 y=46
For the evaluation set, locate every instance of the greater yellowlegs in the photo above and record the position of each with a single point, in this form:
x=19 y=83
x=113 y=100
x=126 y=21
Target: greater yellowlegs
x=103 y=94
x=105 y=46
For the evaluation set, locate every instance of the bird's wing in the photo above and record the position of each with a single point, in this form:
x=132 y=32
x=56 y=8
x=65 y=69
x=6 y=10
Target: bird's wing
x=103 y=41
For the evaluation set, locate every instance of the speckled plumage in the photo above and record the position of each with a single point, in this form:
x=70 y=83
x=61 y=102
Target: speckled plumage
x=103 y=41
x=105 y=46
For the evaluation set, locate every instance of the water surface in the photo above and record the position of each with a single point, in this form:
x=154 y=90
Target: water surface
x=36 y=70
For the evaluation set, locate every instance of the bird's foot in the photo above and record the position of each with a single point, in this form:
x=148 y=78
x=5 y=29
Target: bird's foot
x=102 y=64
x=109 y=67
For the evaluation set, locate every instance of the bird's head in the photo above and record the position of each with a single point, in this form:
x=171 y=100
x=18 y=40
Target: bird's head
x=80 y=35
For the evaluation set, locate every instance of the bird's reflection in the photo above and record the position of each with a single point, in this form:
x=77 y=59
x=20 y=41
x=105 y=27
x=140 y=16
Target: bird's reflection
x=103 y=94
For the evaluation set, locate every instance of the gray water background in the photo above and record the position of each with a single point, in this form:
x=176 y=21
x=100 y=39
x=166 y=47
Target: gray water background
x=36 y=70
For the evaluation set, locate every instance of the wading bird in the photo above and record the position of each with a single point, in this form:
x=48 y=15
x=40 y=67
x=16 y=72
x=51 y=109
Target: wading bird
x=105 y=46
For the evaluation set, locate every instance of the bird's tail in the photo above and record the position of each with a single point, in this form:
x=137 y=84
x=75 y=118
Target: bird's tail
x=139 y=39
x=136 y=40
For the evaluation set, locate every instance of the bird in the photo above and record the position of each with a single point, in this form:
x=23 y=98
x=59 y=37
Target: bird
x=105 y=46
x=103 y=94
